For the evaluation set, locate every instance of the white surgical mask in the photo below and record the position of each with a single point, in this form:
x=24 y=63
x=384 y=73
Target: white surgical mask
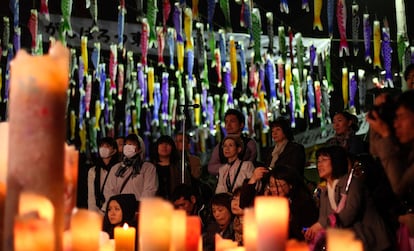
x=129 y=151
x=104 y=152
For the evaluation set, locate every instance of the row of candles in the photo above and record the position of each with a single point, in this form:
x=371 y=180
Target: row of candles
x=38 y=177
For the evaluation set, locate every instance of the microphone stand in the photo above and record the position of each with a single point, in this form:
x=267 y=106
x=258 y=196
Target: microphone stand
x=185 y=110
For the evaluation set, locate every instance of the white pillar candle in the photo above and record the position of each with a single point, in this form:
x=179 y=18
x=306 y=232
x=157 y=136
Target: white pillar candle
x=249 y=230
x=272 y=218
x=155 y=224
x=178 y=230
x=37 y=128
x=85 y=230
x=193 y=233
x=339 y=239
x=124 y=238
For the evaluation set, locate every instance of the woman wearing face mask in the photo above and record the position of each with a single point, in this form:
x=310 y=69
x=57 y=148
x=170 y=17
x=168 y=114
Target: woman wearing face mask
x=97 y=175
x=132 y=175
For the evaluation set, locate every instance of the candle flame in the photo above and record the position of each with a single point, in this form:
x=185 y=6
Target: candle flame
x=125 y=226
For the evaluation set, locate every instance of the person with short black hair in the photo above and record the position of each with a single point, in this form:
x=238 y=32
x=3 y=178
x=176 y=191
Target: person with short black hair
x=234 y=123
x=409 y=76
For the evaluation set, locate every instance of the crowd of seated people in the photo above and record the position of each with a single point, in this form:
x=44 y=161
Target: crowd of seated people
x=378 y=202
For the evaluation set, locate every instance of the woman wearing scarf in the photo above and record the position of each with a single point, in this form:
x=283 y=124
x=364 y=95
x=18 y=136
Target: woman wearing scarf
x=98 y=175
x=285 y=152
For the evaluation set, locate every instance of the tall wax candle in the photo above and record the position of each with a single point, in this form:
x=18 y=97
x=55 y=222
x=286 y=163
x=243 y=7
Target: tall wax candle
x=249 y=230
x=85 y=230
x=71 y=182
x=193 y=233
x=178 y=230
x=37 y=130
x=155 y=224
x=4 y=144
x=272 y=218
x=339 y=239
x=124 y=238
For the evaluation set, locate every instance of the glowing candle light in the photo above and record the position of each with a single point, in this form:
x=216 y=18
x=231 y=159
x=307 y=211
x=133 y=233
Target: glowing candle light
x=71 y=181
x=294 y=245
x=272 y=218
x=37 y=123
x=178 y=230
x=340 y=239
x=193 y=233
x=124 y=238
x=85 y=229
x=224 y=244
x=249 y=230
x=155 y=224
x=4 y=150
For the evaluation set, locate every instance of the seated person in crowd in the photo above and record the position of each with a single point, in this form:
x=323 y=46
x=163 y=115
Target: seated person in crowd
x=186 y=198
x=98 y=175
x=232 y=174
x=192 y=161
x=132 y=175
x=120 y=209
x=166 y=159
x=234 y=124
x=283 y=181
x=222 y=223
x=356 y=211
x=285 y=152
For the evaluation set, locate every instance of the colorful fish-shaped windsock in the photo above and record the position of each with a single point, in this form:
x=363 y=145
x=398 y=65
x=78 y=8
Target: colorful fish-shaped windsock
x=312 y=58
x=311 y=98
x=362 y=88
x=353 y=86
x=33 y=28
x=270 y=32
x=152 y=18
x=341 y=19
x=66 y=8
x=284 y=6
x=199 y=51
x=318 y=98
x=88 y=95
x=328 y=69
x=180 y=56
x=144 y=41
x=120 y=80
x=93 y=9
x=217 y=64
x=102 y=84
x=299 y=104
x=211 y=6
x=166 y=10
x=15 y=9
x=121 y=23
x=194 y=8
x=84 y=54
x=325 y=101
x=6 y=36
x=281 y=84
x=288 y=80
x=253 y=80
x=222 y=47
x=188 y=29
x=292 y=105
x=300 y=54
x=150 y=83
x=225 y=8
x=44 y=9
x=345 y=83
x=228 y=85
x=160 y=46
x=387 y=54
x=367 y=38
x=233 y=61
x=290 y=32
x=243 y=68
x=257 y=30
x=282 y=43
x=317 y=7
x=171 y=46
x=270 y=72
x=165 y=97
x=96 y=58
x=330 y=9
x=355 y=27
x=377 y=44
x=113 y=66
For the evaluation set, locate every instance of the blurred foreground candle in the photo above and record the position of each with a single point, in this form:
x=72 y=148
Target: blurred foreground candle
x=37 y=128
x=86 y=230
x=71 y=181
x=4 y=150
x=294 y=245
x=178 y=230
x=124 y=238
x=34 y=233
x=155 y=224
x=249 y=230
x=224 y=244
x=272 y=218
x=342 y=240
x=193 y=233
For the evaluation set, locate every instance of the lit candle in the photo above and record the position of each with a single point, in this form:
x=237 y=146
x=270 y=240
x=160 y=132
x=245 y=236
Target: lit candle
x=224 y=244
x=155 y=224
x=340 y=239
x=31 y=232
x=249 y=230
x=294 y=245
x=193 y=233
x=37 y=128
x=71 y=182
x=85 y=230
x=272 y=218
x=178 y=230
x=124 y=238
x=4 y=150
